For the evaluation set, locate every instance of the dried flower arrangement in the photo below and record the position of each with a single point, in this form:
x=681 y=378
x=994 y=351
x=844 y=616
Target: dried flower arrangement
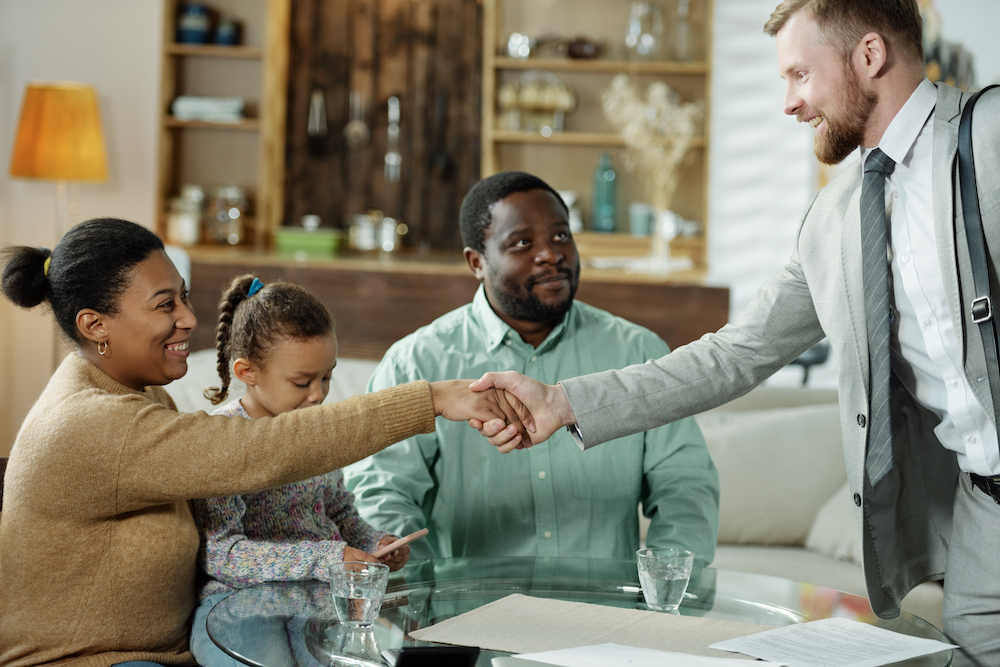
x=658 y=131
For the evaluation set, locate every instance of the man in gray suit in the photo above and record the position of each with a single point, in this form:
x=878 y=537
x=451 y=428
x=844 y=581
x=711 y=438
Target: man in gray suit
x=854 y=72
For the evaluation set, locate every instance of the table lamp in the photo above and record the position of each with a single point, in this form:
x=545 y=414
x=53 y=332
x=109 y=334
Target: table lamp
x=59 y=138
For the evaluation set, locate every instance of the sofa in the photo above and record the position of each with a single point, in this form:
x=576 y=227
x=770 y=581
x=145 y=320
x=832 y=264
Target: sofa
x=785 y=506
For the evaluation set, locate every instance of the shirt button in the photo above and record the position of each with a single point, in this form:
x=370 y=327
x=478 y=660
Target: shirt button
x=953 y=384
x=928 y=322
x=534 y=357
x=541 y=474
x=904 y=259
x=507 y=342
x=857 y=499
x=861 y=421
x=973 y=440
x=548 y=534
x=318 y=507
x=895 y=194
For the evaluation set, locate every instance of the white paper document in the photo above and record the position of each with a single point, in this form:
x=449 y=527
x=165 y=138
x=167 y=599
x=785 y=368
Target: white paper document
x=616 y=655
x=832 y=642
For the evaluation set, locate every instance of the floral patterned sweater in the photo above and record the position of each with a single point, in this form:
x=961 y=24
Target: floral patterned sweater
x=289 y=533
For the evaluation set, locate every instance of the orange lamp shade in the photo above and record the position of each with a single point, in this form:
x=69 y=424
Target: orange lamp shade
x=59 y=135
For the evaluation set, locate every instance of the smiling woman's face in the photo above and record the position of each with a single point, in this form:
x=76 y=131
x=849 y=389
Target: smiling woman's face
x=148 y=337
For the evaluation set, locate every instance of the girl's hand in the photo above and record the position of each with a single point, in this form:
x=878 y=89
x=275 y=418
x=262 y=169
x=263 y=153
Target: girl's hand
x=394 y=559
x=352 y=554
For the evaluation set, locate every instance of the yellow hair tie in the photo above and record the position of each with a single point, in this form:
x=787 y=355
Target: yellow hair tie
x=45 y=266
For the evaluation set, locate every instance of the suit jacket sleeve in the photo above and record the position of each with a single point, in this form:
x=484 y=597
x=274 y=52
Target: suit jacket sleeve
x=779 y=324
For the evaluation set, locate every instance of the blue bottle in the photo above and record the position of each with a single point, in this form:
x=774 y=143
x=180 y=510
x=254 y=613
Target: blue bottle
x=605 y=206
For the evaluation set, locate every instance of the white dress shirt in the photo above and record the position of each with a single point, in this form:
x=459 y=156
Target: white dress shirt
x=926 y=348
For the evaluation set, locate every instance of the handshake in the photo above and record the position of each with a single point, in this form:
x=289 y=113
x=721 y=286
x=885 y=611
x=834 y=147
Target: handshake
x=511 y=410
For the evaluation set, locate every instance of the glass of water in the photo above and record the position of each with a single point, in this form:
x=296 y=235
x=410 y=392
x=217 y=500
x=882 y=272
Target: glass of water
x=357 y=590
x=664 y=575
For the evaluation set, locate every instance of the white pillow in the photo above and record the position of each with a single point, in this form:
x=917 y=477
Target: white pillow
x=776 y=469
x=835 y=531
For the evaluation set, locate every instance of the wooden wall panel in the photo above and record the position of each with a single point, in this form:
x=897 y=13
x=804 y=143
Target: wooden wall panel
x=427 y=53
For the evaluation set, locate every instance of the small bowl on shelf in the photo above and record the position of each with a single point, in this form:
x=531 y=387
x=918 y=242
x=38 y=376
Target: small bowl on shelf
x=303 y=244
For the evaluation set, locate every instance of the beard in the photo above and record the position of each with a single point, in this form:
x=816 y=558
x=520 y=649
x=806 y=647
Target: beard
x=845 y=131
x=519 y=302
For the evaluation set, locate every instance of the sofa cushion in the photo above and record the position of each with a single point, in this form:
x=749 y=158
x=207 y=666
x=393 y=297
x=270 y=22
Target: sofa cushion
x=835 y=531
x=777 y=468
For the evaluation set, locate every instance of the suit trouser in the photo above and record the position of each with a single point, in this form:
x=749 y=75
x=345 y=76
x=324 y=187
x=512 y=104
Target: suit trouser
x=972 y=578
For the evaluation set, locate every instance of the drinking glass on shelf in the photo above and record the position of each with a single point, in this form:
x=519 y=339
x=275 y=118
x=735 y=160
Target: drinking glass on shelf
x=644 y=33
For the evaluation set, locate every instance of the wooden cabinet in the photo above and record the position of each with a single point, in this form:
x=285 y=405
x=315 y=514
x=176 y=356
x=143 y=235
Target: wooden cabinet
x=378 y=301
x=248 y=153
x=567 y=159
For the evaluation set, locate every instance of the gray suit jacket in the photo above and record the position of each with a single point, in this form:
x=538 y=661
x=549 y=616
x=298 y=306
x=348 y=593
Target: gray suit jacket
x=905 y=523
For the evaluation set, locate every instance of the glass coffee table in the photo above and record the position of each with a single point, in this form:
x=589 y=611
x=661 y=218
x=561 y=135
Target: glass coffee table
x=293 y=624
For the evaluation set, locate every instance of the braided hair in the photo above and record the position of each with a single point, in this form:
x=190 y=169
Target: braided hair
x=250 y=326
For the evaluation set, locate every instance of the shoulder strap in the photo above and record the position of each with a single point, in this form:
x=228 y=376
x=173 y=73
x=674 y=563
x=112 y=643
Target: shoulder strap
x=981 y=306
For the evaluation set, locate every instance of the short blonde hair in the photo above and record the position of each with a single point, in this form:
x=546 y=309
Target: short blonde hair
x=845 y=22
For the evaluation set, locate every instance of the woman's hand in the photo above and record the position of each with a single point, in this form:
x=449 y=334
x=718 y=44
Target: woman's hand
x=394 y=559
x=352 y=554
x=454 y=400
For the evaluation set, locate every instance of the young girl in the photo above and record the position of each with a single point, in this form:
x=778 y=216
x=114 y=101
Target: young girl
x=281 y=343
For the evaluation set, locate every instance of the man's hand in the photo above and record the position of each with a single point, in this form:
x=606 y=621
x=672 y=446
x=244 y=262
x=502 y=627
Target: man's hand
x=397 y=558
x=454 y=400
x=544 y=409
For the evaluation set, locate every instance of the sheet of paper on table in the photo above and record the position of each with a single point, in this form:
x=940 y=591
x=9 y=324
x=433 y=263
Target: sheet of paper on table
x=524 y=624
x=833 y=642
x=615 y=655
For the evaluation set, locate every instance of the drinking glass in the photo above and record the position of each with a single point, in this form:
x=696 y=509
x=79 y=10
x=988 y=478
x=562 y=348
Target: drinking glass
x=357 y=590
x=664 y=575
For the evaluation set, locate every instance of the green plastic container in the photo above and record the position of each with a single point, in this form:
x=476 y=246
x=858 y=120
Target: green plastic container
x=304 y=244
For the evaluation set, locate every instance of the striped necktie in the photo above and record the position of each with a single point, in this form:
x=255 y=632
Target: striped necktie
x=875 y=272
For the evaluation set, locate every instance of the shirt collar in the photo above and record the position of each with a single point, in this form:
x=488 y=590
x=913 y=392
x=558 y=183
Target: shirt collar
x=496 y=331
x=904 y=128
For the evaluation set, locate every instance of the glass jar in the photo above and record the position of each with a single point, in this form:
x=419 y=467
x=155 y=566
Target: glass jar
x=184 y=219
x=644 y=33
x=226 y=214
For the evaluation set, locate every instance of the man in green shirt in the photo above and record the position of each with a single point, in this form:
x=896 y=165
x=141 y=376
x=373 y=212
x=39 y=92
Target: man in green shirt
x=547 y=501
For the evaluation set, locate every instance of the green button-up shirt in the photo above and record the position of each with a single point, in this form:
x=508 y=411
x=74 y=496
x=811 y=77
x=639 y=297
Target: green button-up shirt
x=550 y=500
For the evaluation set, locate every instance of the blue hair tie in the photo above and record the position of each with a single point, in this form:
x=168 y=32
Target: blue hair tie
x=255 y=287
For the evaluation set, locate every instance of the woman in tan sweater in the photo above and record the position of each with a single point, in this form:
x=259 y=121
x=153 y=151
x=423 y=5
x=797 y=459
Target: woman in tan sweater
x=97 y=543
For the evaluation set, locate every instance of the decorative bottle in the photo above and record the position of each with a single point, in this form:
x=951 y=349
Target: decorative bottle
x=605 y=200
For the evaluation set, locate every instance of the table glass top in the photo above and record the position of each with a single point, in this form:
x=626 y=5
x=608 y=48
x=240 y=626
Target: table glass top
x=293 y=624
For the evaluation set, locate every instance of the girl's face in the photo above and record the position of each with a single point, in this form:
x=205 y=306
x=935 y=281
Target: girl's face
x=148 y=337
x=296 y=375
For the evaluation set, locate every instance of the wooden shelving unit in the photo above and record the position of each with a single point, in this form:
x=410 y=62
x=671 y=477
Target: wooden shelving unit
x=567 y=159
x=218 y=153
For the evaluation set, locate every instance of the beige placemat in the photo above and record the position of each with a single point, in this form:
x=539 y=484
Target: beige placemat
x=523 y=624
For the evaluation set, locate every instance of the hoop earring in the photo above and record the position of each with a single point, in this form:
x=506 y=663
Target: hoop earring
x=99 y=350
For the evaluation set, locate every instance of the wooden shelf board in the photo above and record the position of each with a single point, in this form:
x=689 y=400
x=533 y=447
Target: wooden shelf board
x=214 y=51
x=569 y=138
x=638 y=67
x=248 y=124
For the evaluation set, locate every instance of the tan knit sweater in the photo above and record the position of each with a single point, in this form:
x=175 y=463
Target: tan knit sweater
x=97 y=543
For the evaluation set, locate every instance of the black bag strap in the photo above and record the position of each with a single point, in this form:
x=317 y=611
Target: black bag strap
x=981 y=306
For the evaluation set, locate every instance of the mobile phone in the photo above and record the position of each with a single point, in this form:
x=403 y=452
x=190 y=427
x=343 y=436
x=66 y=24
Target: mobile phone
x=389 y=548
x=432 y=656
